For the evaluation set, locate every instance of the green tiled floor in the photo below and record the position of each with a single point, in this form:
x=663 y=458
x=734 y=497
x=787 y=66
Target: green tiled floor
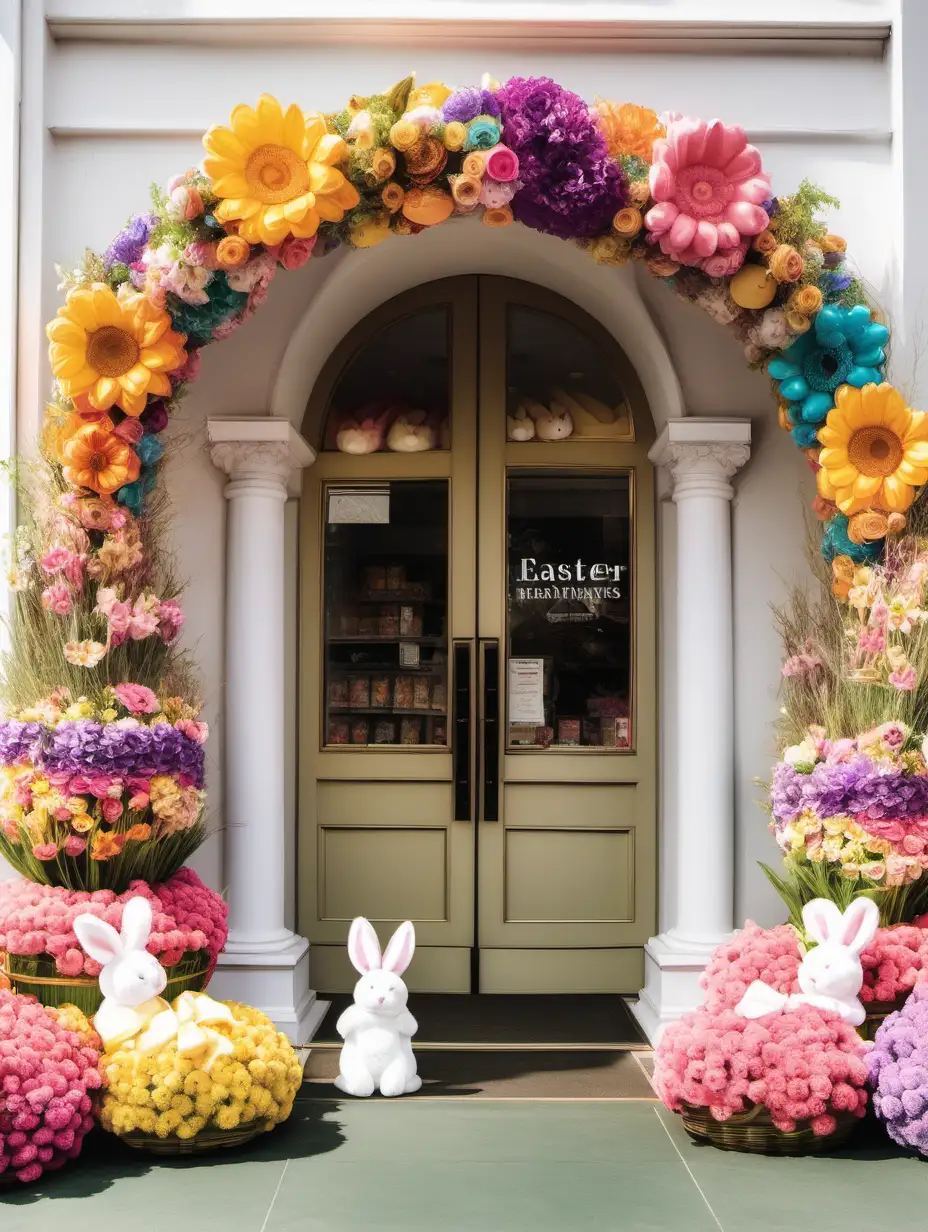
x=459 y=1165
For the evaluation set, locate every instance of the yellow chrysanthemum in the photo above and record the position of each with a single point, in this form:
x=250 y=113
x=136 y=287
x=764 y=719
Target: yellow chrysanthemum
x=277 y=172
x=875 y=450
x=117 y=351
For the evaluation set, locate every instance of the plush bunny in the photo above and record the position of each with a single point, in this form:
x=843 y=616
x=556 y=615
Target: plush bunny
x=830 y=975
x=519 y=425
x=132 y=980
x=378 y=1028
x=364 y=431
x=551 y=423
x=411 y=432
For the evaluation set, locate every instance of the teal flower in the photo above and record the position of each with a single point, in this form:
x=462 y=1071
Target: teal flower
x=149 y=450
x=199 y=320
x=835 y=542
x=132 y=495
x=844 y=347
x=482 y=133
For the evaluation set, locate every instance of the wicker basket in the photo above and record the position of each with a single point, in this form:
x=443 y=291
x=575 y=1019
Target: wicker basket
x=205 y=1140
x=877 y=1012
x=754 y=1132
x=37 y=976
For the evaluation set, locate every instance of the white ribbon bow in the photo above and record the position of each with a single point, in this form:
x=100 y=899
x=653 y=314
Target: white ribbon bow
x=152 y=1025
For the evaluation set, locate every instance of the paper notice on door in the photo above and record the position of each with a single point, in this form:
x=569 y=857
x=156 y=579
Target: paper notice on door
x=526 y=691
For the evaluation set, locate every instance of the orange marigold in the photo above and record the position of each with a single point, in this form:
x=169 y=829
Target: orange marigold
x=94 y=458
x=628 y=128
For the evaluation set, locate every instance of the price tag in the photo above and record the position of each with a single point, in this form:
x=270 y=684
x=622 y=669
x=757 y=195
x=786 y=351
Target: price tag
x=409 y=654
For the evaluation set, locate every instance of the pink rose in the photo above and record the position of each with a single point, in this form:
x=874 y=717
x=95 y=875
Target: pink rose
x=74 y=845
x=501 y=164
x=137 y=698
x=130 y=431
x=45 y=851
x=55 y=559
x=184 y=203
x=294 y=252
x=724 y=262
x=57 y=599
x=199 y=732
x=112 y=810
x=101 y=785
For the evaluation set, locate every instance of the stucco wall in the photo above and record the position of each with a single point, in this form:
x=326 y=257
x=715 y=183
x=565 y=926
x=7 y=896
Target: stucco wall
x=104 y=120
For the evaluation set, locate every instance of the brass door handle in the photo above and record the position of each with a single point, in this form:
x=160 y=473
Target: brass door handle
x=461 y=753
x=490 y=722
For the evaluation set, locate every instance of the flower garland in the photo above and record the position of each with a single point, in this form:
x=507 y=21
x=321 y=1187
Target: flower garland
x=690 y=199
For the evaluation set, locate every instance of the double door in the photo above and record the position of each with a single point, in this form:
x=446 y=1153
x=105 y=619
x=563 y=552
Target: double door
x=477 y=726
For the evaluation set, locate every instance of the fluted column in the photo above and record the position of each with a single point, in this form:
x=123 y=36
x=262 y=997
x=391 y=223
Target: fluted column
x=264 y=963
x=698 y=825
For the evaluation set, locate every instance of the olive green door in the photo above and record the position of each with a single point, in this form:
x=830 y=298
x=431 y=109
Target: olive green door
x=477 y=725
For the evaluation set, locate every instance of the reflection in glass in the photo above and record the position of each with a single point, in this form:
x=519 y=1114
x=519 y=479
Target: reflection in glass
x=386 y=580
x=393 y=394
x=559 y=385
x=569 y=629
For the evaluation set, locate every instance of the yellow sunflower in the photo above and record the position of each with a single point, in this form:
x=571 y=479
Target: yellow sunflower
x=276 y=172
x=875 y=450
x=117 y=351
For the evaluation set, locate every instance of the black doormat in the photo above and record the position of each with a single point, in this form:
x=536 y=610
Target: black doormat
x=504 y=1020
x=488 y=1074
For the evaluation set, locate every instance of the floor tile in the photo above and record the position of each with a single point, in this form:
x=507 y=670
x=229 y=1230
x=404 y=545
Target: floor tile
x=758 y=1193
x=478 y=1131
x=330 y=1195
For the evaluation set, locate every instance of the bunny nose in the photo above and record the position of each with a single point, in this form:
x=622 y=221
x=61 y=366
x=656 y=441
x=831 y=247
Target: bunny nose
x=380 y=1000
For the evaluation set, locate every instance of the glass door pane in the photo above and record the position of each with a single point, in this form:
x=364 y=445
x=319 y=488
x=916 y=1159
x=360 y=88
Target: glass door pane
x=386 y=614
x=569 y=625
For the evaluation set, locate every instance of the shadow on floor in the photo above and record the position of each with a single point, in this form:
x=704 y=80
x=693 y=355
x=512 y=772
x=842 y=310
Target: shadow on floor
x=312 y=1129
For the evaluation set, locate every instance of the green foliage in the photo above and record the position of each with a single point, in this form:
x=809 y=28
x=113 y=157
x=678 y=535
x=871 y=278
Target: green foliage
x=802 y=882
x=795 y=222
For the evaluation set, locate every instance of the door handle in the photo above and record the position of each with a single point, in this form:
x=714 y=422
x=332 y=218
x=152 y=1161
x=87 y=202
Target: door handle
x=461 y=752
x=490 y=723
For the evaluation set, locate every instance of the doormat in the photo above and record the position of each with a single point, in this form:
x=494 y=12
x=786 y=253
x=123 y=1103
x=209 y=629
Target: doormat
x=486 y=1074
x=503 y=1020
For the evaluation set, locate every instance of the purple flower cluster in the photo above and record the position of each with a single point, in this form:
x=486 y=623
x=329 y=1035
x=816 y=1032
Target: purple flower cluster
x=468 y=103
x=570 y=186
x=87 y=747
x=898 y=1064
x=129 y=244
x=857 y=787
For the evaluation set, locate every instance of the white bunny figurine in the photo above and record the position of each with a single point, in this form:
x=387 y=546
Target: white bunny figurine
x=378 y=1028
x=830 y=975
x=132 y=980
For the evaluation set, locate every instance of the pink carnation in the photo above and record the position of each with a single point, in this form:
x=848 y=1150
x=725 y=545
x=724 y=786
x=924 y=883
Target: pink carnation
x=55 y=560
x=708 y=184
x=47 y=1072
x=137 y=698
x=57 y=598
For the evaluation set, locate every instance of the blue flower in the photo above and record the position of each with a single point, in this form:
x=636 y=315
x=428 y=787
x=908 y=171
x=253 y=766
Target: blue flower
x=835 y=542
x=132 y=495
x=844 y=348
x=149 y=450
x=482 y=134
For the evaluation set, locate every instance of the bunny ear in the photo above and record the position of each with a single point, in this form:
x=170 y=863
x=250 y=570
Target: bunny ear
x=400 y=949
x=363 y=946
x=822 y=919
x=136 y=923
x=99 y=939
x=859 y=924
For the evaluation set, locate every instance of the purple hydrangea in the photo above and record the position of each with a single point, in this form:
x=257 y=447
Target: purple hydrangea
x=83 y=746
x=898 y=1065
x=857 y=787
x=468 y=103
x=129 y=244
x=570 y=186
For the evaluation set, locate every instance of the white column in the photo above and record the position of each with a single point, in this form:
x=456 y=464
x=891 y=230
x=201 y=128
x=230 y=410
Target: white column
x=264 y=963
x=697 y=823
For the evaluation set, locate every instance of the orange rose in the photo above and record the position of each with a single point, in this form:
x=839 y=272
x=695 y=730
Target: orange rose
x=867 y=526
x=786 y=264
x=383 y=164
x=466 y=191
x=474 y=165
x=806 y=300
x=765 y=243
x=627 y=222
x=499 y=217
x=232 y=251
x=832 y=243
x=392 y=197
x=797 y=322
x=896 y=523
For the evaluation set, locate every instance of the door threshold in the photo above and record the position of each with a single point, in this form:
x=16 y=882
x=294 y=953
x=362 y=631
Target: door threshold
x=483 y=1046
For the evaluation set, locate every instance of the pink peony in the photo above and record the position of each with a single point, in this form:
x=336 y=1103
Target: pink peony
x=45 y=851
x=184 y=203
x=708 y=184
x=294 y=252
x=55 y=560
x=74 y=845
x=57 y=598
x=137 y=698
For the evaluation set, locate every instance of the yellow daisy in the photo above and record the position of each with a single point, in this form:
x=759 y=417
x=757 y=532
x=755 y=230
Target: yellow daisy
x=277 y=172
x=117 y=351
x=875 y=450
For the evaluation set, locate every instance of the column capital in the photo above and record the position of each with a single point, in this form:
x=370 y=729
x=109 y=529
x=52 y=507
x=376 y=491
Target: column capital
x=703 y=454
x=258 y=448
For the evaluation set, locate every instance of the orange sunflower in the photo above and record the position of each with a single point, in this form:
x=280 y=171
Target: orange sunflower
x=628 y=128
x=116 y=351
x=94 y=458
x=276 y=172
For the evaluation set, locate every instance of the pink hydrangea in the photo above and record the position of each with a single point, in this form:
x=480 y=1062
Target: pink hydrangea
x=803 y=1066
x=754 y=953
x=708 y=184
x=47 y=1071
x=39 y=919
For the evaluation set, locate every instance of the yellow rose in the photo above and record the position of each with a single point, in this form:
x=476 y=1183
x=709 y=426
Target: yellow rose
x=627 y=222
x=232 y=252
x=797 y=322
x=764 y=243
x=806 y=300
x=404 y=134
x=383 y=163
x=474 y=164
x=786 y=264
x=608 y=250
x=867 y=526
x=896 y=523
x=455 y=135
x=466 y=190
x=833 y=243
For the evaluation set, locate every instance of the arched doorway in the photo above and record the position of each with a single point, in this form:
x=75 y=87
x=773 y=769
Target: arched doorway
x=477 y=697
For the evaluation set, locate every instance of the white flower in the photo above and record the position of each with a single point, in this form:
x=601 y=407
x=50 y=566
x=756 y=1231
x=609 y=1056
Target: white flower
x=800 y=755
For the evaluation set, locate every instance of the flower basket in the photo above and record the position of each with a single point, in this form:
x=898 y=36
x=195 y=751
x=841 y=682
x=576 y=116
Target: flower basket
x=754 y=1132
x=37 y=976
x=205 y=1140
